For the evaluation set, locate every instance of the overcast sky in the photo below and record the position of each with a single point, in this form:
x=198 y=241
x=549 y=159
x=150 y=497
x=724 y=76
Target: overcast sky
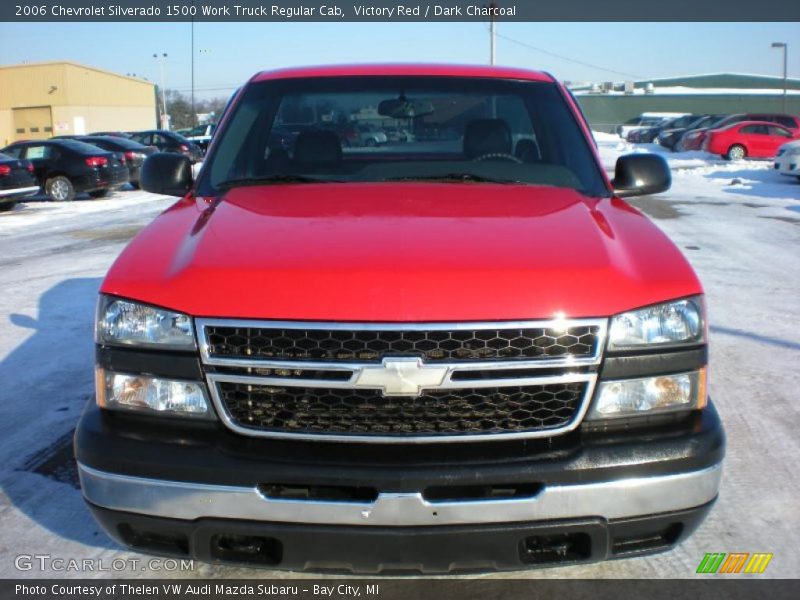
x=226 y=54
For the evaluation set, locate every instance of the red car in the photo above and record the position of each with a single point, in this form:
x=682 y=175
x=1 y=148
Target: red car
x=694 y=139
x=465 y=352
x=753 y=139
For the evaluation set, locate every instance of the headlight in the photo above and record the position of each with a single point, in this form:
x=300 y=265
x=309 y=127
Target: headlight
x=671 y=323
x=649 y=395
x=130 y=323
x=152 y=395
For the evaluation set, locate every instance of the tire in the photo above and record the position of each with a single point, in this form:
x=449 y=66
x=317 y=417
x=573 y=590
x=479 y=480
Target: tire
x=59 y=189
x=370 y=143
x=7 y=206
x=134 y=184
x=99 y=193
x=736 y=152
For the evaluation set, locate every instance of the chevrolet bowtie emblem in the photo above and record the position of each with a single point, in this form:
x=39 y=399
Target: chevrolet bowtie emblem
x=401 y=376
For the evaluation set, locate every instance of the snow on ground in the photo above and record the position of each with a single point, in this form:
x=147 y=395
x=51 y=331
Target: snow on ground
x=738 y=224
x=610 y=146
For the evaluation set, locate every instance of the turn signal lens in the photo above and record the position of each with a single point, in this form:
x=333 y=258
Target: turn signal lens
x=648 y=395
x=153 y=395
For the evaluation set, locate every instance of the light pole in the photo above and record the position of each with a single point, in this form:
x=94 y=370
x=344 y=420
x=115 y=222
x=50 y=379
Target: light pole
x=164 y=117
x=783 y=45
x=492 y=34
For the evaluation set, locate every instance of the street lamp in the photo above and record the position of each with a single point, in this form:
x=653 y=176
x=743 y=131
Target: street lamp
x=783 y=45
x=164 y=117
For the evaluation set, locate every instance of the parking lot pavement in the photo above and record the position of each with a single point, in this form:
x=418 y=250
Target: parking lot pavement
x=739 y=225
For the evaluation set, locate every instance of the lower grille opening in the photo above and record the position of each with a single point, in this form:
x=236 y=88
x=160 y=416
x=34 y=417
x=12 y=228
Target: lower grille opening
x=648 y=541
x=155 y=541
x=247 y=549
x=338 y=493
x=565 y=547
x=500 y=491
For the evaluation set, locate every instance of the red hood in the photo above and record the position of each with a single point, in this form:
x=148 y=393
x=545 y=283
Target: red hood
x=401 y=252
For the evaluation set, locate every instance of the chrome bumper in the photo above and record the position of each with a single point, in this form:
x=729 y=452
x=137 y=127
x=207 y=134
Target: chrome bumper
x=610 y=500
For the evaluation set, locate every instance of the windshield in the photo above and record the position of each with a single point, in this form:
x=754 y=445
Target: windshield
x=373 y=129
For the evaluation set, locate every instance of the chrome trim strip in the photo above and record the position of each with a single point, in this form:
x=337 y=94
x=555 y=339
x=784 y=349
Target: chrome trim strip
x=611 y=500
x=589 y=378
x=202 y=323
x=23 y=191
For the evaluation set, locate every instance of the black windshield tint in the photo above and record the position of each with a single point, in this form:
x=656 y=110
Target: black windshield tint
x=367 y=129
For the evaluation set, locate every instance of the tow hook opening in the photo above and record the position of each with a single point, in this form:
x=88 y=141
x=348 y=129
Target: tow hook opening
x=247 y=549
x=648 y=541
x=159 y=542
x=566 y=547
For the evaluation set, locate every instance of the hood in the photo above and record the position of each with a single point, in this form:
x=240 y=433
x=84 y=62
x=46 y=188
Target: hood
x=401 y=252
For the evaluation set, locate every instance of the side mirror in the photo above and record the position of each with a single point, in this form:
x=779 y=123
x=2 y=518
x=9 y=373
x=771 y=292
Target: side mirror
x=641 y=174
x=167 y=174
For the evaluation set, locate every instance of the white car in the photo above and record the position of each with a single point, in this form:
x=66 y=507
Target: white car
x=787 y=160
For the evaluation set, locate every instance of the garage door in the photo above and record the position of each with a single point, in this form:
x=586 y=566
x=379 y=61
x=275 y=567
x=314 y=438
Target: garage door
x=34 y=123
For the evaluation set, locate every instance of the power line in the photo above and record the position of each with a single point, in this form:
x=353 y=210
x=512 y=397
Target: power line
x=567 y=58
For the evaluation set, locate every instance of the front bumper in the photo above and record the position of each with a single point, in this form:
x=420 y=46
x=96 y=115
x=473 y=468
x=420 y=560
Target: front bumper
x=434 y=550
x=788 y=165
x=621 y=493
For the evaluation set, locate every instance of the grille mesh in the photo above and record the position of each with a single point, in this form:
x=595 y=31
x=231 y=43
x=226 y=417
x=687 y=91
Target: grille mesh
x=368 y=412
x=373 y=345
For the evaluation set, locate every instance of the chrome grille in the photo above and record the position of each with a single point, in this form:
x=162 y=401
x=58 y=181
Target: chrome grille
x=369 y=412
x=380 y=382
x=283 y=343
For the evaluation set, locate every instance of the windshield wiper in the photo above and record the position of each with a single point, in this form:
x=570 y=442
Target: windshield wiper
x=455 y=177
x=272 y=179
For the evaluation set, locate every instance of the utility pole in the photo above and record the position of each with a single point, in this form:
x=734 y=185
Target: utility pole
x=194 y=116
x=164 y=117
x=785 y=48
x=492 y=32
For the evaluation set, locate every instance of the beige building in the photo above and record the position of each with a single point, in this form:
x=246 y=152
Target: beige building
x=42 y=100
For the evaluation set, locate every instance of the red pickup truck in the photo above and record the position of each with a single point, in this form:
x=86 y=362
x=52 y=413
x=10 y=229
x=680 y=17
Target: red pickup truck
x=459 y=351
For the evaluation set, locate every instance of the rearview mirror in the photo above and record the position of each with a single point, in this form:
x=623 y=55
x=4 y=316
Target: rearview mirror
x=403 y=108
x=641 y=174
x=167 y=174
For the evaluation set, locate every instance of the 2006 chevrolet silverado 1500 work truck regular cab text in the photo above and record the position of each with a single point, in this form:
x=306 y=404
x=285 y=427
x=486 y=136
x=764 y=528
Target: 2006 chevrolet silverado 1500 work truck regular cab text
x=462 y=350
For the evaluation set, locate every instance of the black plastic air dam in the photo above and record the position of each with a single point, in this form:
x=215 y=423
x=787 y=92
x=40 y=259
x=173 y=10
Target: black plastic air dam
x=401 y=550
x=206 y=453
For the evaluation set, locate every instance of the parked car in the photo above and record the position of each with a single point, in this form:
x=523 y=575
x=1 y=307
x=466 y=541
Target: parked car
x=787 y=159
x=133 y=151
x=201 y=135
x=693 y=140
x=670 y=136
x=748 y=139
x=361 y=365
x=169 y=141
x=648 y=119
x=647 y=135
x=16 y=181
x=364 y=134
x=68 y=167
x=398 y=134
x=122 y=134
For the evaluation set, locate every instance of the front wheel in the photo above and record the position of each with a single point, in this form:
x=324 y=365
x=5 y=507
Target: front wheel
x=370 y=143
x=736 y=152
x=7 y=206
x=60 y=189
x=99 y=193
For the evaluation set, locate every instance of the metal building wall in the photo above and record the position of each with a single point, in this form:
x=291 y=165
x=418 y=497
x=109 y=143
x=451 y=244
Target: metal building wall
x=80 y=100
